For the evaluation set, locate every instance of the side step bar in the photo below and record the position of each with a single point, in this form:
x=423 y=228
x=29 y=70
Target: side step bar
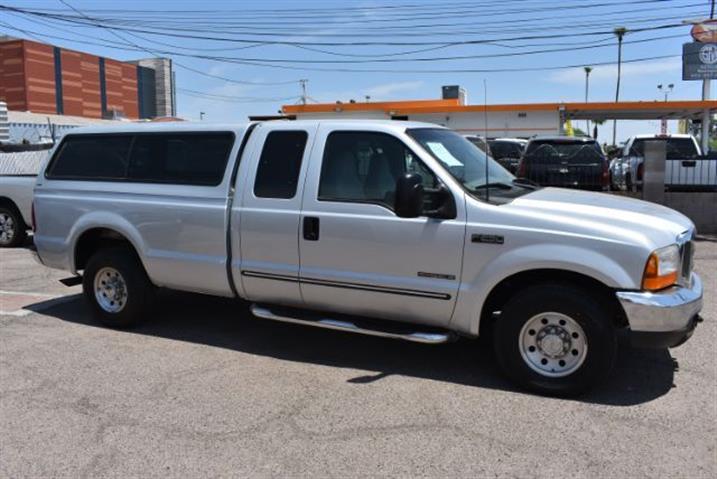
x=72 y=280
x=351 y=325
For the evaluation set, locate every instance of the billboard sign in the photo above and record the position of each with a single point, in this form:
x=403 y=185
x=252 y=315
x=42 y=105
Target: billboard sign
x=705 y=32
x=699 y=61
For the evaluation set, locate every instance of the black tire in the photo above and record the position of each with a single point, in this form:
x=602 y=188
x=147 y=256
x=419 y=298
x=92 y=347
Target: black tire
x=13 y=230
x=585 y=309
x=138 y=289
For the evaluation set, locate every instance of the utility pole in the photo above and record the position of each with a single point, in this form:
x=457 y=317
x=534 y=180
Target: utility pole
x=706 y=96
x=304 y=99
x=587 y=89
x=303 y=91
x=667 y=89
x=619 y=32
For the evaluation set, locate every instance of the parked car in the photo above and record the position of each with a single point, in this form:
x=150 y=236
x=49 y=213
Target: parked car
x=394 y=229
x=566 y=161
x=507 y=152
x=685 y=166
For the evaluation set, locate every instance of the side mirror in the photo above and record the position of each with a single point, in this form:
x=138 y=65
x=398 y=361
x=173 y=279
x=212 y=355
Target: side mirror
x=409 y=196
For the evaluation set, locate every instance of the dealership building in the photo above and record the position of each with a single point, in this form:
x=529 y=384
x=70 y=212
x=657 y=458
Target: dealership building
x=45 y=79
x=504 y=120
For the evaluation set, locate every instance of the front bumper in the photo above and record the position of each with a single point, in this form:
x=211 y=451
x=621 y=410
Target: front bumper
x=664 y=318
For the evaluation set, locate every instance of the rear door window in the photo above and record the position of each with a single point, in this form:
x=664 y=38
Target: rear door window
x=278 y=173
x=181 y=158
x=102 y=157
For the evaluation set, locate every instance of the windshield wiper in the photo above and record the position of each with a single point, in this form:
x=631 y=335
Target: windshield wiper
x=504 y=186
x=525 y=182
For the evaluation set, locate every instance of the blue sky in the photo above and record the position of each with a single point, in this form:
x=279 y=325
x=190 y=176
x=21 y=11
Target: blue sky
x=370 y=21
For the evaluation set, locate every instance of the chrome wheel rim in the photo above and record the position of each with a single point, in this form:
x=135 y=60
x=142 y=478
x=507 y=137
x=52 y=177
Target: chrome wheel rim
x=553 y=344
x=7 y=228
x=110 y=290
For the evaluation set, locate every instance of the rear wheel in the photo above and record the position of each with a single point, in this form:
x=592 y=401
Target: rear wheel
x=12 y=228
x=555 y=339
x=116 y=286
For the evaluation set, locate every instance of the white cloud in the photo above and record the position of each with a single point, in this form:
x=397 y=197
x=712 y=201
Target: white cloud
x=388 y=89
x=384 y=91
x=609 y=72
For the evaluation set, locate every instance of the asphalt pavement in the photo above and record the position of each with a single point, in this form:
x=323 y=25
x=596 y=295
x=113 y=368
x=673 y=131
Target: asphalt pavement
x=205 y=389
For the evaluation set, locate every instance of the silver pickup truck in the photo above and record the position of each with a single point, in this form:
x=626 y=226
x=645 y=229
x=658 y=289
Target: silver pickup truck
x=395 y=229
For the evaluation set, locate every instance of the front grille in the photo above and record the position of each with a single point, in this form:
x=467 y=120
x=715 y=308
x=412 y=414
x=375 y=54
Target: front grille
x=688 y=252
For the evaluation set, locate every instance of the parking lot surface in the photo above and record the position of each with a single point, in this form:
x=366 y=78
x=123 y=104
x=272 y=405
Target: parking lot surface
x=203 y=388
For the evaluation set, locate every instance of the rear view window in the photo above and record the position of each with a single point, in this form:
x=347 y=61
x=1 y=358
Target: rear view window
x=676 y=148
x=178 y=158
x=562 y=151
x=505 y=149
x=92 y=156
x=279 y=164
x=190 y=159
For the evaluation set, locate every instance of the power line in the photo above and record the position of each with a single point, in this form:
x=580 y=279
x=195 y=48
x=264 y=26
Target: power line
x=361 y=43
x=151 y=52
x=522 y=25
x=237 y=99
x=167 y=22
x=300 y=16
x=463 y=57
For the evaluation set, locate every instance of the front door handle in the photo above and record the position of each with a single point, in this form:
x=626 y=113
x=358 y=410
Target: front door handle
x=311 y=228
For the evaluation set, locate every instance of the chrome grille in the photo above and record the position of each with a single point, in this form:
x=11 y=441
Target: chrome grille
x=687 y=252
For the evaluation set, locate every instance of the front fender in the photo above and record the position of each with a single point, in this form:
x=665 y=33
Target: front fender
x=480 y=277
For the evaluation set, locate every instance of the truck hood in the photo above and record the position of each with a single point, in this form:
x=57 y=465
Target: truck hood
x=608 y=215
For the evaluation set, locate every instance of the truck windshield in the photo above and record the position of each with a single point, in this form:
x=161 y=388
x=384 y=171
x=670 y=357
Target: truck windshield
x=467 y=163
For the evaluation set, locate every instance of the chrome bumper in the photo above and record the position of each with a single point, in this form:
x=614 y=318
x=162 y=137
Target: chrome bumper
x=669 y=310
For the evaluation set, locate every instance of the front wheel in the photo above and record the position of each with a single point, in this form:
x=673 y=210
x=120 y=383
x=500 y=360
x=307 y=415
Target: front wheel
x=555 y=339
x=116 y=286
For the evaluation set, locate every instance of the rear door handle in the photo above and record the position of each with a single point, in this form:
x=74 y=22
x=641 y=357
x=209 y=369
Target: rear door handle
x=311 y=228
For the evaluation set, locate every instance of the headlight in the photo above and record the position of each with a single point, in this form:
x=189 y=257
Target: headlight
x=662 y=268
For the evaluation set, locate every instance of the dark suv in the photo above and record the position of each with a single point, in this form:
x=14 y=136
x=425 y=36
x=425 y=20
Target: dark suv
x=565 y=161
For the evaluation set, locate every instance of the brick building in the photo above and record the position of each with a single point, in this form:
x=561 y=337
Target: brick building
x=43 y=78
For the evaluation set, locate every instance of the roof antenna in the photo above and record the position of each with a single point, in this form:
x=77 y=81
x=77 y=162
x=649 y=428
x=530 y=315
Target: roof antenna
x=485 y=139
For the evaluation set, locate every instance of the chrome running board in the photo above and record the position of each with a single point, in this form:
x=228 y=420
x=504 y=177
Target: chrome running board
x=351 y=324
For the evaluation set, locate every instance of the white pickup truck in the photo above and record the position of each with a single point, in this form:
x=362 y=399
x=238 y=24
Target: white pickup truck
x=686 y=169
x=18 y=172
x=395 y=229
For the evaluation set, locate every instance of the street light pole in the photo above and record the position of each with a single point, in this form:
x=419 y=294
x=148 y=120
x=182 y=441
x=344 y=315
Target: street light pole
x=667 y=89
x=587 y=89
x=619 y=32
